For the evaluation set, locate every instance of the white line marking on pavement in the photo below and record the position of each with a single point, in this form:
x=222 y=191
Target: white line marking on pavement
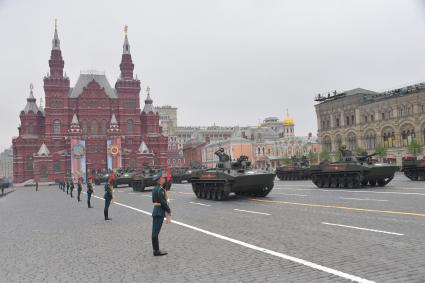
x=260 y=249
x=347 y=191
x=262 y=213
x=365 y=229
x=198 y=203
x=132 y=193
x=369 y=199
x=290 y=194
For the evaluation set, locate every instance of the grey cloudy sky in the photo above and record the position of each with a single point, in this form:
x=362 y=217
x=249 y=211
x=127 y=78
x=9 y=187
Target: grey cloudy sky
x=228 y=62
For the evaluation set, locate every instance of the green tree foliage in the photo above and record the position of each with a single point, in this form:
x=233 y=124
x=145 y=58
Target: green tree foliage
x=381 y=150
x=337 y=155
x=359 y=150
x=415 y=148
x=324 y=155
x=313 y=157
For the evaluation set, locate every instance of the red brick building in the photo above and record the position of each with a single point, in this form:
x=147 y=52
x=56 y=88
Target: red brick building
x=92 y=111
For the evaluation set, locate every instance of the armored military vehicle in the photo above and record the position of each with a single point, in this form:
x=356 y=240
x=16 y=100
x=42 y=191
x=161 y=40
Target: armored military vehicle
x=101 y=177
x=299 y=169
x=352 y=172
x=180 y=174
x=147 y=178
x=123 y=178
x=413 y=168
x=231 y=177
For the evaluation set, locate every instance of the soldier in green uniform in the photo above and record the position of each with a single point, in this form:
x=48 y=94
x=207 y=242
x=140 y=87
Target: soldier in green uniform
x=89 y=191
x=67 y=185
x=108 y=198
x=160 y=206
x=79 y=188
x=71 y=187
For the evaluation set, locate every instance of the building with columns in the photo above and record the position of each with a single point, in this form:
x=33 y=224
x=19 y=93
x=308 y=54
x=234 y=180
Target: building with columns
x=93 y=113
x=361 y=118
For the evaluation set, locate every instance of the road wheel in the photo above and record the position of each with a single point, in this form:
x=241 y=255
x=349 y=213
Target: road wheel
x=381 y=182
x=350 y=181
x=372 y=183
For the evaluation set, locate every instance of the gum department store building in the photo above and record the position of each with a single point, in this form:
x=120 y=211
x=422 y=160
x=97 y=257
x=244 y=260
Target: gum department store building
x=92 y=111
x=365 y=119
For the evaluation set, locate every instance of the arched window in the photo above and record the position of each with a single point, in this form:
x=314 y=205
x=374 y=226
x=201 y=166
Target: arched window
x=103 y=126
x=129 y=126
x=388 y=137
x=30 y=129
x=351 y=141
x=29 y=163
x=370 y=140
x=327 y=144
x=94 y=127
x=56 y=126
x=43 y=172
x=56 y=166
x=338 y=141
x=85 y=127
x=407 y=134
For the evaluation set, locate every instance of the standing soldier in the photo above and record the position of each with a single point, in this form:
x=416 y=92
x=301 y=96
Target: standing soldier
x=67 y=185
x=36 y=185
x=108 y=197
x=89 y=191
x=71 y=186
x=79 y=188
x=160 y=206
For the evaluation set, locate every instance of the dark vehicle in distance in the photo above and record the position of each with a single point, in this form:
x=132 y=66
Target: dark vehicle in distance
x=231 y=177
x=180 y=174
x=4 y=184
x=101 y=177
x=148 y=178
x=123 y=178
x=299 y=169
x=352 y=172
x=413 y=168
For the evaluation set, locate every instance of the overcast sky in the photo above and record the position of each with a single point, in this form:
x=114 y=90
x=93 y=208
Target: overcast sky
x=223 y=62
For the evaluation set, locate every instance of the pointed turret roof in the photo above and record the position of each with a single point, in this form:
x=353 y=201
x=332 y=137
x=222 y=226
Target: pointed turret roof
x=74 y=128
x=74 y=119
x=43 y=151
x=126 y=45
x=55 y=41
x=31 y=105
x=113 y=125
x=148 y=103
x=143 y=148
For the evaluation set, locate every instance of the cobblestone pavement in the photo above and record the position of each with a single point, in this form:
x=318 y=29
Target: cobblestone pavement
x=297 y=234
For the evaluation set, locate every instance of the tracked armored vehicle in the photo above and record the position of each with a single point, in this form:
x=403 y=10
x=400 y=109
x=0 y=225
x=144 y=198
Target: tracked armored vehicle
x=123 y=178
x=352 y=172
x=231 y=177
x=180 y=174
x=101 y=177
x=413 y=168
x=148 y=178
x=297 y=170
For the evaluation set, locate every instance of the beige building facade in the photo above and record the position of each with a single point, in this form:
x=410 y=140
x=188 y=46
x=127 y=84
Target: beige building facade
x=364 y=119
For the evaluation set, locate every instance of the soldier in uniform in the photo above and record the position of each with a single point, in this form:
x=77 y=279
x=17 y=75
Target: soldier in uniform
x=79 y=188
x=160 y=206
x=67 y=185
x=108 y=197
x=36 y=186
x=71 y=187
x=89 y=191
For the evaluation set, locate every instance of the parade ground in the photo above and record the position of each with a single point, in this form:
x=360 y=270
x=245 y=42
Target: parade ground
x=296 y=234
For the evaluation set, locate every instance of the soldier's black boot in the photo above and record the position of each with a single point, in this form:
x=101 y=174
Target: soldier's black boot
x=105 y=212
x=156 y=250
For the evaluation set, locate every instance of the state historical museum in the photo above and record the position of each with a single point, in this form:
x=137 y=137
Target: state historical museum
x=88 y=127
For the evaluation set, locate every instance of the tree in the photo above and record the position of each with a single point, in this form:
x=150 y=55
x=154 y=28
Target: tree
x=324 y=155
x=337 y=155
x=381 y=151
x=414 y=148
x=359 y=150
x=312 y=157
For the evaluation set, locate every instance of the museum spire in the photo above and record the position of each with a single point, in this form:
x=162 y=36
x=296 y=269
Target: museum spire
x=56 y=62
x=126 y=65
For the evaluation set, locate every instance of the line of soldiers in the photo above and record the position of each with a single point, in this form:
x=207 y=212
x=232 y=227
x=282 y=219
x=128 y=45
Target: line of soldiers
x=161 y=207
x=68 y=184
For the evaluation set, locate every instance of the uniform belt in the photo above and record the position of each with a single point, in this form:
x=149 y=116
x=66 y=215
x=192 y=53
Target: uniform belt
x=156 y=203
